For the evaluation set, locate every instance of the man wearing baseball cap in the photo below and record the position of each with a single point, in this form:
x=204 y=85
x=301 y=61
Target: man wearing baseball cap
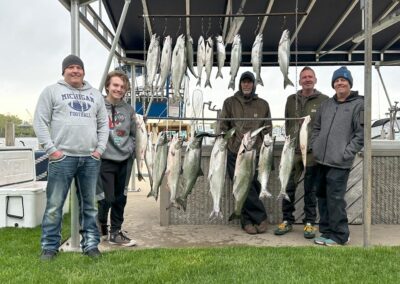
x=71 y=125
x=338 y=134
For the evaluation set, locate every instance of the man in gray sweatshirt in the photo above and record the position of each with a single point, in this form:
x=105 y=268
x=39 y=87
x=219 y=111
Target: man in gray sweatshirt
x=71 y=125
x=338 y=134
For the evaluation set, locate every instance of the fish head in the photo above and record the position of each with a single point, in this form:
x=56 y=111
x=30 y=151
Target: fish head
x=236 y=40
x=248 y=141
x=200 y=41
x=196 y=142
x=162 y=138
x=176 y=142
x=210 y=42
x=229 y=133
x=307 y=119
x=168 y=41
x=257 y=131
x=285 y=36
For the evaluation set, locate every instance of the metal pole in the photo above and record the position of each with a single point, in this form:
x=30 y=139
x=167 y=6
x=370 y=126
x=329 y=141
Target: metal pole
x=114 y=44
x=75 y=44
x=367 y=125
x=222 y=15
x=132 y=185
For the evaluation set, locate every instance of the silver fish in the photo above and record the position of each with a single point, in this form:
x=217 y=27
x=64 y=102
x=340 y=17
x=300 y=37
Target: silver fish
x=178 y=65
x=149 y=157
x=217 y=171
x=266 y=164
x=221 y=55
x=209 y=60
x=191 y=169
x=152 y=61
x=174 y=168
x=201 y=58
x=303 y=139
x=189 y=55
x=286 y=165
x=236 y=59
x=165 y=63
x=256 y=58
x=160 y=163
x=284 y=57
x=244 y=171
x=140 y=144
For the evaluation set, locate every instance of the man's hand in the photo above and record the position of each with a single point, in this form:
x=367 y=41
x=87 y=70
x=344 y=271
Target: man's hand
x=96 y=154
x=56 y=155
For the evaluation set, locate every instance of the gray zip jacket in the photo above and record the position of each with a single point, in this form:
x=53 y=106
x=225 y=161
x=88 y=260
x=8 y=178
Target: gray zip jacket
x=71 y=120
x=121 y=122
x=338 y=131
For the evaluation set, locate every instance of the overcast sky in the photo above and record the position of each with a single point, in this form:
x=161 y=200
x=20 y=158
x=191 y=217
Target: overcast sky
x=35 y=37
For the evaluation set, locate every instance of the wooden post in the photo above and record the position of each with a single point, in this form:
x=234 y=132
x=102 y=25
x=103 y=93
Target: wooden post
x=10 y=134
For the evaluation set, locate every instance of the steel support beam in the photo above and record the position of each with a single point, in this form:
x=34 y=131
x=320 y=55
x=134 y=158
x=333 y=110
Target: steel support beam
x=114 y=44
x=228 y=10
x=367 y=162
x=146 y=12
x=188 y=19
x=337 y=25
x=264 y=21
x=303 y=20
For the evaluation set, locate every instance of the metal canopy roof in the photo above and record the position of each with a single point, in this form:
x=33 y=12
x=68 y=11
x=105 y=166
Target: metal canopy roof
x=324 y=34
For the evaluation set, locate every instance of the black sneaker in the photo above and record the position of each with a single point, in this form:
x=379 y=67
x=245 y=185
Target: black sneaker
x=120 y=238
x=48 y=255
x=103 y=232
x=93 y=253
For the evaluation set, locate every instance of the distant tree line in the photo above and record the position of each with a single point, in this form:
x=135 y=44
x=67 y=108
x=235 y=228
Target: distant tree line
x=22 y=129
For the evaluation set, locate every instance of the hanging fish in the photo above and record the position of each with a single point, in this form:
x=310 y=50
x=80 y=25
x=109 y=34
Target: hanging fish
x=256 y=58
x=221 y=55
x=140 y=144
x=174 y=168
x=236 y=59
x=189 y=55
x=153 y=60
x=160 y=163
x=286 y=165
x=284 y=57
x=209 y=60
x=201 y=58
x=303 y=139
x=266 y=164
x=149 y=157
x=178 y=66
x=165 y=63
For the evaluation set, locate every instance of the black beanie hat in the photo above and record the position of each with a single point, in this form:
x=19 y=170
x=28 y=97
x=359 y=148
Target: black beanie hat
x=71 y=60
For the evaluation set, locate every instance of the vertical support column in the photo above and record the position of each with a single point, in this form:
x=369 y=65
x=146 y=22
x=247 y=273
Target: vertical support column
x=367 y=125
x=75 y=44
x=10 y=134
x=132 y=185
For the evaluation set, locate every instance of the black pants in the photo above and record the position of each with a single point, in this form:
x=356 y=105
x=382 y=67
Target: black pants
x=310 y=201
x=112 y=179
x=331 y=190
x=253 y=211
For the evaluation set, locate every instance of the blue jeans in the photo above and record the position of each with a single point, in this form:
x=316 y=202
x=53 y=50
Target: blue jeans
x=85 y=170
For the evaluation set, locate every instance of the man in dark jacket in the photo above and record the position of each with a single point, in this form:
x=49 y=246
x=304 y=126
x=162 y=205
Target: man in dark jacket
x=304 y=102
x=338 y=135
x=245 y=103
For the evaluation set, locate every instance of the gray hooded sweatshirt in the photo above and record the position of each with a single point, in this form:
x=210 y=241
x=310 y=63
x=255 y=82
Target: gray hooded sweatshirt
x=338 y=132
x=121 y=122
x=71 y=120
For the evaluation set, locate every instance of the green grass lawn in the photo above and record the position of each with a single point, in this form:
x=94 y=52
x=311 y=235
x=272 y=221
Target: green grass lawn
x=20 y=250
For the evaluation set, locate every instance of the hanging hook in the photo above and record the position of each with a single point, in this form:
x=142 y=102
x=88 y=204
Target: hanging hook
x=209 y=26
x=165 y=26
x=258 y=26
x=179 y=28
x=202 y=26
x=284 y=23
x=220 y=26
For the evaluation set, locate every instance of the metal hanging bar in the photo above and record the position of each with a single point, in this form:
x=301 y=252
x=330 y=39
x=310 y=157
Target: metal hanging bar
x=224 y=15
x=225 y=119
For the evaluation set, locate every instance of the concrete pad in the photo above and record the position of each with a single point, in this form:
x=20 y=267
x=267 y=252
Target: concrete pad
x=142 y=222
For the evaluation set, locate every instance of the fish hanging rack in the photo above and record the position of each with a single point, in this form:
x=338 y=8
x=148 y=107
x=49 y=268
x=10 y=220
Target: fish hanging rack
x=224 y=15
x=176 y=118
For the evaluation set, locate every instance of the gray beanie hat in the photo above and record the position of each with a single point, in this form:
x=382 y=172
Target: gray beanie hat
x=71 y=60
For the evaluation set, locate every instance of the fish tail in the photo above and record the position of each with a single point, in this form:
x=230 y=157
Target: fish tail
x=260 y=81
x=140 y=176
x=284 y=195
x=232 y=84
x=208 y=83
x=234 y=216
x=219 y=74
x=287 y=82
x=182 y=202
x=193 y=72
x=265 y=194
x=199 y=81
